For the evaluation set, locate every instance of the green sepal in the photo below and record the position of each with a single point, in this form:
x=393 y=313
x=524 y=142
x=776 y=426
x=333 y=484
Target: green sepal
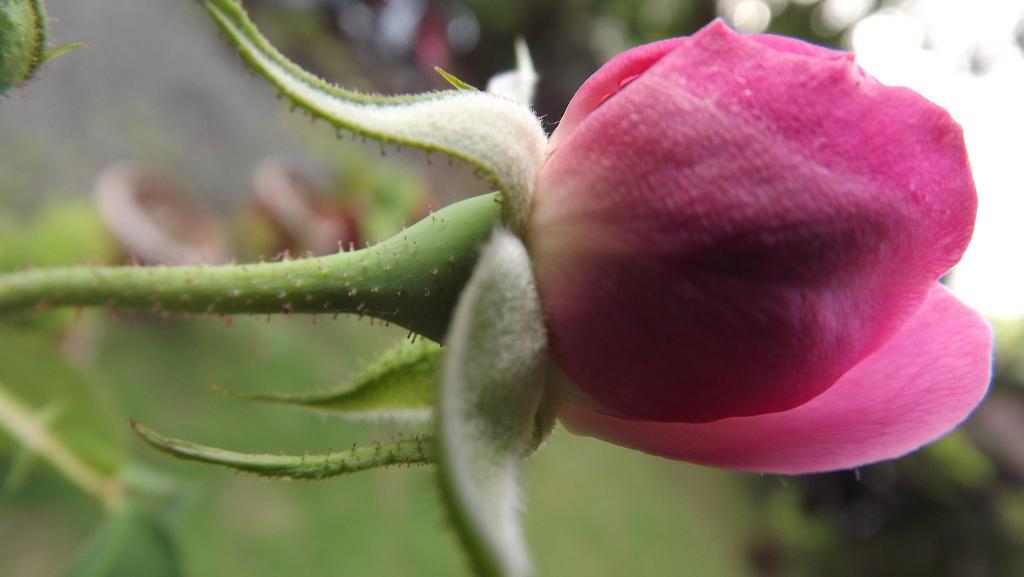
x=455 y=81
x=54 y=53
x=489 y=412
x=400 y=383
x=500 y=137
x=415 y=450
x=520 y=83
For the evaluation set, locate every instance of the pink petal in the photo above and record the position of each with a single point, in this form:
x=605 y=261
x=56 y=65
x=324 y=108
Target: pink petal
x=618 y=72
x=913 y=390
x=612 y=77
x=786 y=44
x=733 y=230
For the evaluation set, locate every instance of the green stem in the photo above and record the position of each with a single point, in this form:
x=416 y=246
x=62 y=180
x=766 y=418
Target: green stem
x=412 y=279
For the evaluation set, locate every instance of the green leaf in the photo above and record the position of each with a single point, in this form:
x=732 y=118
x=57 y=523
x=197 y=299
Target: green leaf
x=415 y=450
x=400 y=383
x=499 y=136
x=492 y=386
x=132 y=543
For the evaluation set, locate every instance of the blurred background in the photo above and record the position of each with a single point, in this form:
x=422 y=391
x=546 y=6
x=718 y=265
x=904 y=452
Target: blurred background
x=156 y=145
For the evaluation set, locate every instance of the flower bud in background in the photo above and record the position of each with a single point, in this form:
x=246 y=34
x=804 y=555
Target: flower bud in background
x=302 y=219
x=738 y=241
x=154 y=221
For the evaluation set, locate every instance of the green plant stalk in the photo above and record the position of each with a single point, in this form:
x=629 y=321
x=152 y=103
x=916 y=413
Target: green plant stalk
x=412 y=279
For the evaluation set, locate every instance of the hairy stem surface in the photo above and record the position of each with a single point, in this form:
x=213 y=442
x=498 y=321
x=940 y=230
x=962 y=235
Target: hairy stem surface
x=411 y=279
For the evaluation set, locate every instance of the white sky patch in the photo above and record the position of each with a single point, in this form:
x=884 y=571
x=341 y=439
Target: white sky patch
x=747 y=16
x=837 y=15
x=967 y=57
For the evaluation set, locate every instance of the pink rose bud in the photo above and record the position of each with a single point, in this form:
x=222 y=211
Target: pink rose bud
x=738 y=241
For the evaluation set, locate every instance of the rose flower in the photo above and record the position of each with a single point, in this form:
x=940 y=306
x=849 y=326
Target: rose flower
x=737 y=242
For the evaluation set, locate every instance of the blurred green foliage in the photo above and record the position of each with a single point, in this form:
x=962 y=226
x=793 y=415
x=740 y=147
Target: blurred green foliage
x=34 y=372
x=61 y=232
x=131 y=542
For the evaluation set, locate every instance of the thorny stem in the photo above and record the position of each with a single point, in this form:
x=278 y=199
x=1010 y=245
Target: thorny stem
x=412 y=279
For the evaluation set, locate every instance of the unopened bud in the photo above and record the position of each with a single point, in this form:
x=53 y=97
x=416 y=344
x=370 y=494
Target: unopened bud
x=22 y=41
